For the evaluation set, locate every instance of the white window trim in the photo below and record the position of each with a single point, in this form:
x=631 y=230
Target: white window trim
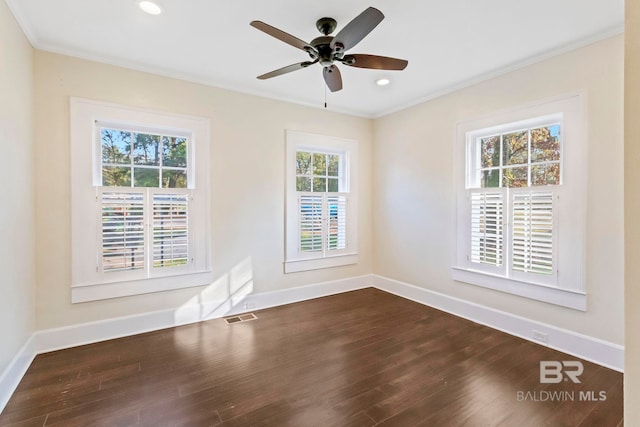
x=87 y=283
x=570 y=290
x=294 y=261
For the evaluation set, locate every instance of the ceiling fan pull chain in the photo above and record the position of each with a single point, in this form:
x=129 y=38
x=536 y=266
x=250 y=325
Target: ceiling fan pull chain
x=325 y=96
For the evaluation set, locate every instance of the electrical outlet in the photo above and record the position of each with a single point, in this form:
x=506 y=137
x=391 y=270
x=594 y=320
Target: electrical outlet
x=541 y=336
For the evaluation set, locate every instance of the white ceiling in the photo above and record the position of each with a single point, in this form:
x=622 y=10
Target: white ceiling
x=448 y=43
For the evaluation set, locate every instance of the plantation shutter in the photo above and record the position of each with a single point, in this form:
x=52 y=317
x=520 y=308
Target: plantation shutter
x=487 y=226
x=122 y=231
x=170 y=229
x=126 y=244
x=532 y=232
x=337 y=223
x=311 y=230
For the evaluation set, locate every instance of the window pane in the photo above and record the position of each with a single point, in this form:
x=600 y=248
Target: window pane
x=333 y=185
x=548 y=174
x=113 y=176
x=303 y=164
x=514 y=177
x=490 y=152
x=144 y=177
x=515 y=148
x=116 y=146
x=303 y=183
x=545 y=144
x=319 y=185
x=146 y=149
x=174 y=178
x=490 y=179
x=174 y=151
x=333 y=164
x=320 y=164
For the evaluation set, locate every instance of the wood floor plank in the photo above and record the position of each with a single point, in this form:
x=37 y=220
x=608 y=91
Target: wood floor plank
x=361 y=358
x=33 y=422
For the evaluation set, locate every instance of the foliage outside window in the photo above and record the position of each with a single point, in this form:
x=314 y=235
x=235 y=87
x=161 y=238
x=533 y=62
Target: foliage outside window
x=137 y=159
x=522 y=158
x=317 y=172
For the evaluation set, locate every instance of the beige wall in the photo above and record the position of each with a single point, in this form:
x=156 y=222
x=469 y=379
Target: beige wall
x=17 y=260
x=247 y=161
x=632 y=213
x=414 y=195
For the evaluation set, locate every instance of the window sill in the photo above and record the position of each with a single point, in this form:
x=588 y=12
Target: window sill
x=565 y=298
x=318 y=263
x=103 y=291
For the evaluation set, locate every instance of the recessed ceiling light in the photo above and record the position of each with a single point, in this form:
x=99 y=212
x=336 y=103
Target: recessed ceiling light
x=150 y=7
x=383 y=82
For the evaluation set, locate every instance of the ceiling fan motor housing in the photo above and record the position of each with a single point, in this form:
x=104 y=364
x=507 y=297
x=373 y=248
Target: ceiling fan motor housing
x=326 y=54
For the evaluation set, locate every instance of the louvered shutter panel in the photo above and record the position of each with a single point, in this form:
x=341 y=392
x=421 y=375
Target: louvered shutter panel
x=122 y=231
x=337 y=223
x=487 y=224
x=533 y=232
x=311 y=230
x=170 y=229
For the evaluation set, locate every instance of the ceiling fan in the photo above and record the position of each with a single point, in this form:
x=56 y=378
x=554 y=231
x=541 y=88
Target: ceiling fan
x=328 y=49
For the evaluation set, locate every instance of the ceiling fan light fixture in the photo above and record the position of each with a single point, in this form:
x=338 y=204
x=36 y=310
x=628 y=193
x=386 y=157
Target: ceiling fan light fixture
x=150 y=7
x=383 y=81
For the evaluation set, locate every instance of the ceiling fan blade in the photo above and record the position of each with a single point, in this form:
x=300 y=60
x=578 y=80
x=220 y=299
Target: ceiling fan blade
x=374 y=61
x=333 y=78
x=358 y=28
x=281 y=35
x=285 y=70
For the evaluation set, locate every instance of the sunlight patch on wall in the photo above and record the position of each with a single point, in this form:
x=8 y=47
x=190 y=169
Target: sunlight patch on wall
x=220 y=297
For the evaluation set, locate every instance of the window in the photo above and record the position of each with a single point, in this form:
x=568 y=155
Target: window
x=145 y=163
x=322 y=209
x=321 y=202
x=521 y=203
x=139 y=198
x=512 y=176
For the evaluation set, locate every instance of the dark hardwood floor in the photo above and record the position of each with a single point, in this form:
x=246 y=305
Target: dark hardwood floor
x=362 y=358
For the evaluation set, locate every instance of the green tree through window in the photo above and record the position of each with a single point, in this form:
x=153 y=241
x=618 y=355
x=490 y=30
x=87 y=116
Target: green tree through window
x=137 y=159
x=529 y=157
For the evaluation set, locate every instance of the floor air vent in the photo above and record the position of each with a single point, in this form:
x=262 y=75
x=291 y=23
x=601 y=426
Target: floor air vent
x=240 y=318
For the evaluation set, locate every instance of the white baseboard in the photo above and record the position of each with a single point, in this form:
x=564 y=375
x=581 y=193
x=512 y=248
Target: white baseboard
x=585 y=347
x=12 y=375
x=303 y=293
x=87 y=333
